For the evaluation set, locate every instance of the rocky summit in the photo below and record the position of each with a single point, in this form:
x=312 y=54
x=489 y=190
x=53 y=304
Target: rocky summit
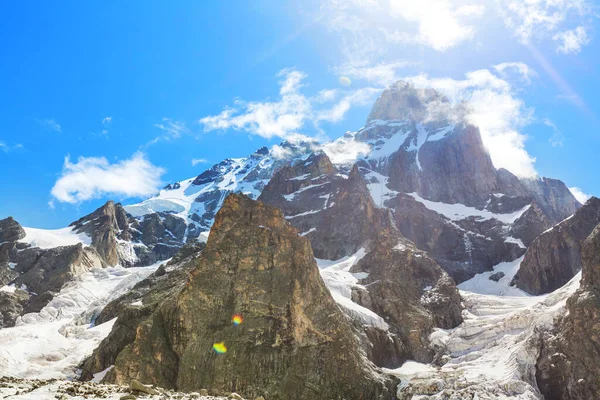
x=293 y=341
x=395 y=262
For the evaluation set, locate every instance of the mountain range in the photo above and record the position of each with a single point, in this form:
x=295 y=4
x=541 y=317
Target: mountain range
x=393 y=262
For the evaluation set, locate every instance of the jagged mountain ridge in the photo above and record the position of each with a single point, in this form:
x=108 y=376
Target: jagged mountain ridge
x=362 y=210
x=419 y=154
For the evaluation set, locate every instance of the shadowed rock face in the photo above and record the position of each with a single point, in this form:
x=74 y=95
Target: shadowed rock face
x=10 y=230
x=121 y=239
x=37 y=274
x=336 y=213
x=294 y=342
x=348 y=220
x=104 y=226
x=568 y=367
x=555 y=256
x=553 y=197
x=137 y=305
x=409 y=291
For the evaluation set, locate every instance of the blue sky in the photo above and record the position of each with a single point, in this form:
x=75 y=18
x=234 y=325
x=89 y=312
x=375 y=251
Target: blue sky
x=133 y=92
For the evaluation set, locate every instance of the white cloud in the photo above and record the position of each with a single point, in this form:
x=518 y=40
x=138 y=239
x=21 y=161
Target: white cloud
x=382 y=74
x=292 y=111
x=538 y=19
x=440 y=24
x=579 y=194
x=498 y=112
x=7 y=148
x=173 y=129
x=557 y=138
x=367 y=27
x=267 y=119
x=106 y=120
x=344 y=151
x=50 y=123
x=360 y=97
x=197 y=161
x=523 y=69
x=571 y=41
x=94 y=177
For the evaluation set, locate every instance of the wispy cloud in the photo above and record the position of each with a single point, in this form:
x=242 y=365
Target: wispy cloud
x=292 y=111
x=557 y=138
x=579 y=194
x=8 y=148
x=49 y=123
x=173 y=129
x=197 y=161
x=540 y=19
x=383 y=73
x=571 y=41
x=269 y=118
x=94 y=177
x=524 y=70
x=494 y=107
x=106 y=120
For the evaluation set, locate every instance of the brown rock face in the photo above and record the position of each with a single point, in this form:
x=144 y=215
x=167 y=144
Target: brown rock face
x=555 y=256
x=294 y=342
x=137 y=305
x=568 y=367
x=335 y=213
x=409 y=291
x=347 y=221
x=104 y=226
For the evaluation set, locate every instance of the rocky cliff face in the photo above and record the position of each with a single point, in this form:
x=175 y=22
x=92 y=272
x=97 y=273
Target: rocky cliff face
x=568 y=367
x=335 y=212
x=555 y=256
x=136 y=306
x=122 y=239
x=553 y=197
x=402 y=286
x=415 y=143
x=293 y=342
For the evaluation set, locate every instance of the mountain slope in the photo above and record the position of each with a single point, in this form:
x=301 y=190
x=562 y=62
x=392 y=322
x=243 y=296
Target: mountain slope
x=293 y=342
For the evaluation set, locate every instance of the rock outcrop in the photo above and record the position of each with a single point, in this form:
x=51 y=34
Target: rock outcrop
x=555 y=256
x=10 y=230
x=335 y=212
x=106 y=226
x=35 y=275
x=402 y=285
x=121 y=239
x=294 y=342
x=568 y=367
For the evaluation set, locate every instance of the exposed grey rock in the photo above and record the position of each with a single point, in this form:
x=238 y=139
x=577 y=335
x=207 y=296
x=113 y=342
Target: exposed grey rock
x=568 y=367
x=348 y=220
x=10 y=230
x=553 y=197
x=555 y=256
x=497 y=276
x=104 y=226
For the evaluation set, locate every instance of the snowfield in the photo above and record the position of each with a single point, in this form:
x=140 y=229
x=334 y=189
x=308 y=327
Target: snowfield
x=53 y=342
x=340 y=281
x=49 y=238
x=492 y=354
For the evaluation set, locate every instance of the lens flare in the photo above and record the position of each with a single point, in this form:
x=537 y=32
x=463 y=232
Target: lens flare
x=220 y=348
x=237 y=319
